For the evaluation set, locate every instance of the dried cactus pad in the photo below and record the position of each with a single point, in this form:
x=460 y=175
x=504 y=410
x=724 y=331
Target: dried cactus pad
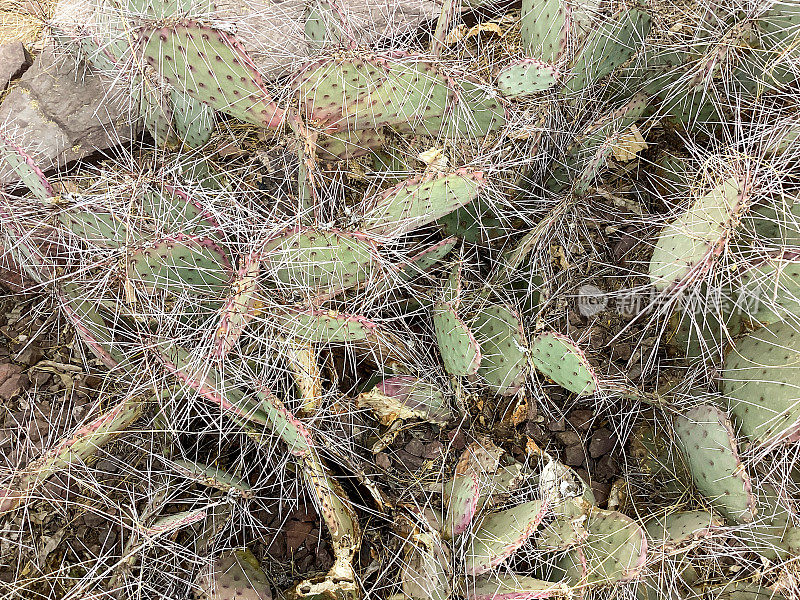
x=234 y=576
x=709 y=446
x=688 y=247
x=210 y=66
x=314 y=259
x=504 y=346
x=240 y=307
x=527 y=76
x=426 y=573
x=500 y=534
x=609 y=46
x=180 y=264
x=31 y=176
x=407 y=397
x=461 y=354
x=564 y=362
x=677 y=528
x=545 y=28
x=761 y=381
x=513 y=587
x=417 y=202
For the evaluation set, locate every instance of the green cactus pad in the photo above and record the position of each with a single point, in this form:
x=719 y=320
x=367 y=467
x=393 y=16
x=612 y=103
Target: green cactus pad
x=500 y=534
x=500 y=485
x=744 y=590
x=567 y=530
x=771 y=290
x=461 y=354
x=688 y=247
x=525 y=77
x=172 y=209
x=181 y=264
x=679 y=528
x=326 y=25
x=349 y=144
x=91 y=326
x=773 y=534
x=99 y=228
x=210 y=66
x=616 y=548
x=416 y=202
x=560 y=359
x=513 y=587
x=609 y=46
x=327 y=262
x=545 y=28
x=214 y=477
x=284 y=424
x=234 y=576
x=194 y=121
x=709 y=446
x=504 y=347
x=424 y=260
x=477 y=223
x=760 y=383
x=31 y=176
x=407 y=397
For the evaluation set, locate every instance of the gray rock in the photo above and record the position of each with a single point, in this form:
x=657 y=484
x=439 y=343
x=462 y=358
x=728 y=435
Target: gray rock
x=59 y=112
x=14 y=59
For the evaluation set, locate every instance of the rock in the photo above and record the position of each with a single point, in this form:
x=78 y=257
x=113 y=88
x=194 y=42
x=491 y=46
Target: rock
x=382 y=460
x=574 y=456
x=59 y=112
x=12 y=381
x=603 y=442
x=601 y=492
x=296 y=534
x=569 y=438
x=457 y=439
x=581 y=419
x=14 y=59
x=606 y=468
x=434 y=450
x=415 y=447
x=557 y=425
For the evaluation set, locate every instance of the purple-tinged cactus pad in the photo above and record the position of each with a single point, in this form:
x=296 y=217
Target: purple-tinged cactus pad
x=461 y=354
x=210 y=66
x=761 y=383
x=513 y=587
x=559 y=358
x=504 y=347
x=239 y=309
x=407 y=397
x=31 y=176
x=322 y=261
x=500 y=534
x=710 y=450
x=234 y=576
x=526 y=76
x=181 y=264
x=418 y=202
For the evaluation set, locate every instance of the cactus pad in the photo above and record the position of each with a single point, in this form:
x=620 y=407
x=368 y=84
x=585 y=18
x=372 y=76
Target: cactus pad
x=234 y=576
x=774 y=288
x=709 y=446
x=513 y=587
x=327 y=25
x=31 y=176
x=678 y=528
x=615 y=549
x=504 y=347
x=688 y=247
x=172 y=209
x=99 y=228
x=313 y=259
x=416 y=202
x=760 y=382
x=210 y=66
x=407 y=397
x=349 y=144
x=564 y=362
x=545 y=28
x=426 y=259
x=527 y=76
x=426 y=573
x=181 y=264
x=239 y=309
x=500 y=534
x=193 y=120
x=214 y=477
x=608 y=47
x=461 y=354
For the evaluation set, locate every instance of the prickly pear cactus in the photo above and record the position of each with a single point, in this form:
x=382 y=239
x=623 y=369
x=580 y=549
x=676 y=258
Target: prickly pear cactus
x=232 y=576
x=560 y=359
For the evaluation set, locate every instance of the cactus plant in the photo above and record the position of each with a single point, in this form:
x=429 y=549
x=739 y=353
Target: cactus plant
x=564 y=362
